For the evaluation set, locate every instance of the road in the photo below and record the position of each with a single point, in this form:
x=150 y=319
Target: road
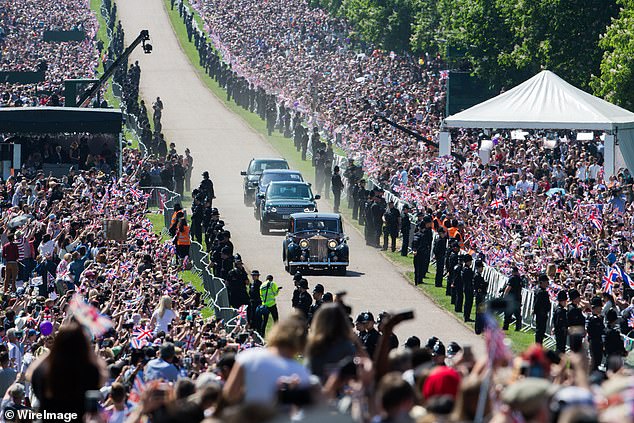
x=222 y=143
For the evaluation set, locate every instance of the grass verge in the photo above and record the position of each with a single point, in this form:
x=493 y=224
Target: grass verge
x=286 y=148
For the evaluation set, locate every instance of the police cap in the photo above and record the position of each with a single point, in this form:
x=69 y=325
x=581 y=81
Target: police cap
x=365 y=317
x=562 y=296
x=596 y=302
x=573 y=294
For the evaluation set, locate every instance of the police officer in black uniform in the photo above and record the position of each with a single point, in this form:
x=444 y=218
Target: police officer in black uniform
x=541 y=308
x=596 y=331
x=198 y=212
x=304 y=300
x=206 y=188
x=369 y=221
x=480 y=288
x=405 y=229
x=421 y=245
x=358 y=206
x=468 y=287
x=237 y=283
x=295 y=299
x=575 y=316
x=440 y=250
x=255 y=299
x=368 y=335
x=378 y=209
x=391 y=220
x=337 y=188
x=513 y=296
x=452 y=264
x=304 y=143
x=352 y=175
x=613 y=342
x=318 y=295
x=560 y=322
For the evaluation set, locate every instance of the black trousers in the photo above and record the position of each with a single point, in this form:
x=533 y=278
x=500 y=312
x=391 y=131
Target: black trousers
x=596 y=354
x=457 y=295
x=389 y=234
x=418 y=268
x=337 y=199
x=515 y=310
x=450 y=278
x=405 y=246
x=440 y=270
x=274 y=314
x=560 y=339
x=468 y=306
x=355 y=208
x=540 y=328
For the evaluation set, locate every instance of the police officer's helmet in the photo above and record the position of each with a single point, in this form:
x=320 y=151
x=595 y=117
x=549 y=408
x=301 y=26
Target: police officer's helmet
x=431 y=342
x=206 y=174
x=365 y=317
x=215 y=212
x=439 y=349
x=427 y=219
x=298 y=276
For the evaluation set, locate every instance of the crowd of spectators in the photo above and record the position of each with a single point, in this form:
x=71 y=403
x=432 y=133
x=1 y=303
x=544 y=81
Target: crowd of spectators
x=538 y=201
x=22 y=27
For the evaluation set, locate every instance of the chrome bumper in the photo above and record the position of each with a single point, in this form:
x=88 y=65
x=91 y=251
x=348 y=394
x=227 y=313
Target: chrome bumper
x=319 y=263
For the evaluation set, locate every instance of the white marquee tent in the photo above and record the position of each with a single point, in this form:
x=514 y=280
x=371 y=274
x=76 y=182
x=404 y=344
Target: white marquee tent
x=548 y=102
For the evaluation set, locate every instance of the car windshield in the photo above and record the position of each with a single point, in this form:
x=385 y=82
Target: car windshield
x=258 y=166
x=331 y=225
x=289 y=191
x=270 y=177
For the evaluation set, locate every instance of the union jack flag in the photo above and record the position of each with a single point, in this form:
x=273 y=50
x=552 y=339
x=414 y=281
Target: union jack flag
x=496 y=204
x=89 y=316
x=566 y=245
x=607 y=282
x=623 y=274
x=137 y=388
x=242 y=312
x=578 y=250
x=162 y=199
x=189 y=342
x=597 y=221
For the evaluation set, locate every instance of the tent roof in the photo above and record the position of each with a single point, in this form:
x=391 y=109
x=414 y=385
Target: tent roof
x=544 y=102
x=60 y=120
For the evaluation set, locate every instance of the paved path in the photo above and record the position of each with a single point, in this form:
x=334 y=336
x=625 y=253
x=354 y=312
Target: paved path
x=222 y=143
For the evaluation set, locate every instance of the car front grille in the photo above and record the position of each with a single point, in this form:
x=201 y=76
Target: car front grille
x=289 y=209
x=318 y=247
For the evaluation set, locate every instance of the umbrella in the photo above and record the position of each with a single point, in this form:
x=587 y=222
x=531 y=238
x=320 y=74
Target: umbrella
x=18 y=221
x=554 y=191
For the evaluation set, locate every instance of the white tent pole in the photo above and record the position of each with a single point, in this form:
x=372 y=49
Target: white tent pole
x=609 y=154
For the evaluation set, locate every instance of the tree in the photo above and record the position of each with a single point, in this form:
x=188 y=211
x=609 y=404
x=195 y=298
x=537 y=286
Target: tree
x=616 y=80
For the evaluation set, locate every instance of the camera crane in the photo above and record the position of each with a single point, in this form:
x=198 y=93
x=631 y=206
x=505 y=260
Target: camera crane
x=143 y=37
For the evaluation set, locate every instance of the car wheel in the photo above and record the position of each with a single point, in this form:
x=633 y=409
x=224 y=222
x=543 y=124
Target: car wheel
x=264 y=229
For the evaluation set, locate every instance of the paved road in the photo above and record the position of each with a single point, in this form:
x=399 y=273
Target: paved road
x=222 y=143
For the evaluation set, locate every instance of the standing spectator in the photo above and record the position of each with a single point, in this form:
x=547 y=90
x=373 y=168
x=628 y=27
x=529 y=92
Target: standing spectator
x=188 y=165
x=59 y=383
x=256 y=376
x=560 y=322
x=10 y=255
x=254 y=299
x=8 y=373
x=162 y=367
x=14 y=349
x=596 y=331
x=163 y=315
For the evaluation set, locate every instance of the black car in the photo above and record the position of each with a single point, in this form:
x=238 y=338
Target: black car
x=272 y=175
x=253 y=172
x=315 y=241
x=281 y=200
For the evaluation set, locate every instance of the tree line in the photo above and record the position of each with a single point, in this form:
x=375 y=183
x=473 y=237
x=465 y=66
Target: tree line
x=589 y=43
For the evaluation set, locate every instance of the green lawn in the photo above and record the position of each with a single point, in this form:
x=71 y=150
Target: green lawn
x=285 y=147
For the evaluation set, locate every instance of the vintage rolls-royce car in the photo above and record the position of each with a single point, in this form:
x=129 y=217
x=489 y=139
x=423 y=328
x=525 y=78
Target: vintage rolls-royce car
x=315 y=241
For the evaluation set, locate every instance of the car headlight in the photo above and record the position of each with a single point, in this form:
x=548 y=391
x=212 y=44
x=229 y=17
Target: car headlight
x=332 y=244
x=309 y=209
x=303 y=244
